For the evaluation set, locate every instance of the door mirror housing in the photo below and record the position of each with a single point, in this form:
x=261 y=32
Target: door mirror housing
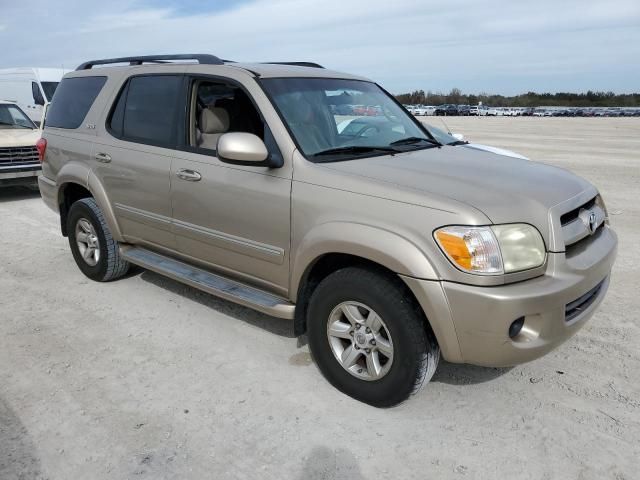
x=458 y=136
x=242 y=148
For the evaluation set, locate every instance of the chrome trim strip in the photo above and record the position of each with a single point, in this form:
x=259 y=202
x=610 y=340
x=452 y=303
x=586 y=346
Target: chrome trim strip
x=222 y=240
x=232 y=239
x=136 y=212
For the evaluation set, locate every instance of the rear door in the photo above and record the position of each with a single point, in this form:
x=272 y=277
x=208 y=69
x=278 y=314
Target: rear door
x=132 y=159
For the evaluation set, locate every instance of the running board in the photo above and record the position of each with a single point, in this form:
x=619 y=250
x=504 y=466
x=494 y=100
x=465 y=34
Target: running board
x=210 y=282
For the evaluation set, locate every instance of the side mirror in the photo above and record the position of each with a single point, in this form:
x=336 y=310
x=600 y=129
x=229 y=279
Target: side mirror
x=458 y=136
x=242 y=148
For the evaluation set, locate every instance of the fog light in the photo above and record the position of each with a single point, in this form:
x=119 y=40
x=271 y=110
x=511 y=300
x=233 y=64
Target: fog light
x=515 y=327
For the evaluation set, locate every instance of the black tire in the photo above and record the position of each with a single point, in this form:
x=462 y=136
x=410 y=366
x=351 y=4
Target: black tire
x=415 y=350
x=110 y=264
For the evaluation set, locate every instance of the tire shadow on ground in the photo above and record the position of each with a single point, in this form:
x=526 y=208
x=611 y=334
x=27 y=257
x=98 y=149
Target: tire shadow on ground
x=464 y=374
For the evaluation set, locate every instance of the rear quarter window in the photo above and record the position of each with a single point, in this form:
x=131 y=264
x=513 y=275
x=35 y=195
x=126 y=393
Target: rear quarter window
x=72 y=100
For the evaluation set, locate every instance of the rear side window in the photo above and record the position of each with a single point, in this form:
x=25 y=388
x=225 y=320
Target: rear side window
x=72 y=101
x=147 y=110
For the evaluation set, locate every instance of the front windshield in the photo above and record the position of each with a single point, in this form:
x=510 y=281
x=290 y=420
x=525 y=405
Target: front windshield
x=12 y=117
x=337 y=119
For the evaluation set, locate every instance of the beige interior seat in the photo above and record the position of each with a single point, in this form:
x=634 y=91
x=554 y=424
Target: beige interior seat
x=213 y=123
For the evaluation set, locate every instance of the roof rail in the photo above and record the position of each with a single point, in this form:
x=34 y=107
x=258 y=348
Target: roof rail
x=297 y=64
x=200 y=58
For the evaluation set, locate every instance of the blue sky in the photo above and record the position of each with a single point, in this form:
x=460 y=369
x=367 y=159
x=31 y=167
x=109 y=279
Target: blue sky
x=495 y=46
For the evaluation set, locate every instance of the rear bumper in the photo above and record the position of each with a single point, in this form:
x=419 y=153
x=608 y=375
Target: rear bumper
x=479 y=317
x=49 y=192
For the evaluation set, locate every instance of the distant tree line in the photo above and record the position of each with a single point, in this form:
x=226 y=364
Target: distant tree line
x=529 y=99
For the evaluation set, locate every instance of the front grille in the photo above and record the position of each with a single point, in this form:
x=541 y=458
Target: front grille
x=573 y=214
x=578 y=228
x=10 y=156
x=579 y=305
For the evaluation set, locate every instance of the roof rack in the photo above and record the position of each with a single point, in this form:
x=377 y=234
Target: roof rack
x=297 y=64
x=200 y=58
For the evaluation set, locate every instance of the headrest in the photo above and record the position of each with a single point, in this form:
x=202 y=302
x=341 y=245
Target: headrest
x=214 y=120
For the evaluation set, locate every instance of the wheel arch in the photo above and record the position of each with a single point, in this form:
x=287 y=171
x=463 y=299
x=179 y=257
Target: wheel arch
x=337 y=245
x=77 y=182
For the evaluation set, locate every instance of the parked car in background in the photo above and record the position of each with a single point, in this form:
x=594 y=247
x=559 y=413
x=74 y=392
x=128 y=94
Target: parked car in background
x=429 y=110
x=29 y=88
x=463 y=110
x=479 y=110
x=446 y=110
x=19 y=160
x=419 y=110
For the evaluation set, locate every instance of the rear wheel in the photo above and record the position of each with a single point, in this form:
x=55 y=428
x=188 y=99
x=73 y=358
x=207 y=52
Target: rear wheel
x=95 y=251
x=369 y=338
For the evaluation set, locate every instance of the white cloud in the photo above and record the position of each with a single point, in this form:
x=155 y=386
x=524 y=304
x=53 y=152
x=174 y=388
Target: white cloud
x=500 y=46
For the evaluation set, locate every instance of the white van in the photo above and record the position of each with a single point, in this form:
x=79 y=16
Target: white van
x=29 y=88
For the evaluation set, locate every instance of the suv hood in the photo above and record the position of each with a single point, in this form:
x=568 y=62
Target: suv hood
x=506 y=190
x=18 y=137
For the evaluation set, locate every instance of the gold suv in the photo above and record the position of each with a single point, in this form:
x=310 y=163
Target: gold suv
x=313 y=196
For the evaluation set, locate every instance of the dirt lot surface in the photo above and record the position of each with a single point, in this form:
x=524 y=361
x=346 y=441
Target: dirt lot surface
x=145 y=378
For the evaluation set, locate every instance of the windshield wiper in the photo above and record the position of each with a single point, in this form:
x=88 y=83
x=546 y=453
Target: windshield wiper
x=354 y=149
x=412 y=140
x=458 y=142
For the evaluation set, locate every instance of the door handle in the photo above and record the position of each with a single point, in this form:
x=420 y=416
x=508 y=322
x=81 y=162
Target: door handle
x=189 y=175
x=103 y=157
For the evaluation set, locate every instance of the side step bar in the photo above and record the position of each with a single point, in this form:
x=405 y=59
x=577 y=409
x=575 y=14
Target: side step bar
x=209 y=282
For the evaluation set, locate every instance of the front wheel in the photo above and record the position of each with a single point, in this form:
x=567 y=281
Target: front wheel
x=369 y=338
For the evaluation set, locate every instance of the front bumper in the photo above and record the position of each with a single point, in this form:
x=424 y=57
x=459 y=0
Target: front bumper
x=479 y=317
x=19 y=174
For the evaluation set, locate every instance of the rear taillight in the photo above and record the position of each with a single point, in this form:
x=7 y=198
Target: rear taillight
x=41 y=146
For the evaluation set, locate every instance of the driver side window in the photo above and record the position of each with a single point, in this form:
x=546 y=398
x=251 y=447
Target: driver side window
x=218 y=108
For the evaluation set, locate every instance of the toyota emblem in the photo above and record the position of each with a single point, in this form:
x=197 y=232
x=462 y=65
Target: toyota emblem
x=593 y=222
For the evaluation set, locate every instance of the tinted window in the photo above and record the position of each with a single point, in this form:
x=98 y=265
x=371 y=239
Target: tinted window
x=72 y=101
x=38 y=99
x=147 y=110
x=49 y=88
x=117 y=116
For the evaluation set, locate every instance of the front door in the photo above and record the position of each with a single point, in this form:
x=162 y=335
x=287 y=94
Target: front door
x=235 y=219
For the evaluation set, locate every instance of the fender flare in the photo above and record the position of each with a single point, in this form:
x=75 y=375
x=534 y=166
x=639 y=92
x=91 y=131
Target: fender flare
x=386 y=248
x=82 y=175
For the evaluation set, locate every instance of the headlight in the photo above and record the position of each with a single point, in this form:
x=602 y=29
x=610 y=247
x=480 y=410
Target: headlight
x=492 y=250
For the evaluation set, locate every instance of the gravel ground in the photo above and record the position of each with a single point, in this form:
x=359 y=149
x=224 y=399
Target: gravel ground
x=145 y=378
